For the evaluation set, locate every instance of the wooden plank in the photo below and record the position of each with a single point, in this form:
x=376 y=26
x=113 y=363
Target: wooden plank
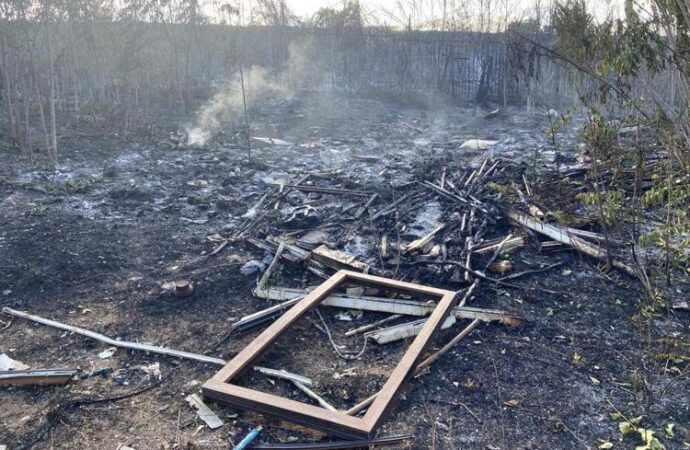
x=563 y=235
x=337 y=259
x=333 y=423
x=204 y=412
x=424 y=240
x=394 y=306
x=404 y=330
x=36 y=377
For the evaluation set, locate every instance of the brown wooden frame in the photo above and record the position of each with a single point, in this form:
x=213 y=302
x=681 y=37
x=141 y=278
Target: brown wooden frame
x=331 y=422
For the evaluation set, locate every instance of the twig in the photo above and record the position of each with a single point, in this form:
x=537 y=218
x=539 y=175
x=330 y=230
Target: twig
x=497 y=251
x=284 y=374
x=334 y=345
x=373 y=325
x=314 y=395
x=484 y=277
x=529 y=272
x=457 y=403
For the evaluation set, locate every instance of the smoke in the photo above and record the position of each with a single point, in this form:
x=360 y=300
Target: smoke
x=260 y=84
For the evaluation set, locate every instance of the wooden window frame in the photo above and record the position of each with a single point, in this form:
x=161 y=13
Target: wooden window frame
x=220 y=388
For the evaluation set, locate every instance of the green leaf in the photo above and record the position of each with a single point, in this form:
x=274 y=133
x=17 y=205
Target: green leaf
x=646 y=435
x=606 y=445
x=626 y=427
x=669 y=429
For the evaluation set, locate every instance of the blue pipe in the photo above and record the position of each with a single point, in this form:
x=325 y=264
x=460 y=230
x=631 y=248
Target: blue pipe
x=244 y=443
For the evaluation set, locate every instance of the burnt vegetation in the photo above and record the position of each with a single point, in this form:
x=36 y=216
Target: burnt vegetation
x=171 y=171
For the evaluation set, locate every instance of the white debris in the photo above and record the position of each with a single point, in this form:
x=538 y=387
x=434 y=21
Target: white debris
x=478 y=144
x=107 y=353
x=7 y=363
x=371 y=143
x=626 y=131
x=343 y=316
x=154 y=370
x=204 y=412
x=270 y=141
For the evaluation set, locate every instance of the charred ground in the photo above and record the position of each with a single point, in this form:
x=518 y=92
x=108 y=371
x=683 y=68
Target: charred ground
x=93 y=245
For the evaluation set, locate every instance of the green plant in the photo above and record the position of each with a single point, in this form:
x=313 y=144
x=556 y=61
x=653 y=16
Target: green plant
x=649 y=440
x=610 y=204
x=557 y=125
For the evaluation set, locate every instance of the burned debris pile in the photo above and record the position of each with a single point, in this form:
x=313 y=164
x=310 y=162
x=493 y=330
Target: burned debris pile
x=347 y=244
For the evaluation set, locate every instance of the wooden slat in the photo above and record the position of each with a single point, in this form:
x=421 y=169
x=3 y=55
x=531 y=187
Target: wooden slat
x=36 y=377
x=331 y=422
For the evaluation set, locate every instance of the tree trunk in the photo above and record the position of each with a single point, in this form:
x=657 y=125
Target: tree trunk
x=53 y=125
x=27 y=125
x=41 y=111
x=7 y=94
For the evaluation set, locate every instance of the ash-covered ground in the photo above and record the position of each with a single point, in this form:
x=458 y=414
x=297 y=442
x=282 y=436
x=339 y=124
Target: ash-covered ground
x=94 y=244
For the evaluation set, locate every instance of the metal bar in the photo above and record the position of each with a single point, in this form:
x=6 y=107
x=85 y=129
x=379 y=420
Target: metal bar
x=342 y=445
x=266 y=315
x=114 y=342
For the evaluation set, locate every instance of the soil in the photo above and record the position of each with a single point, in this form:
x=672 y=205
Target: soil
x=94 y=243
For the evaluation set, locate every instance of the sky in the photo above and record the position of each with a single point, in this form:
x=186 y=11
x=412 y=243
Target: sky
x=431 y=8
x=309 y=7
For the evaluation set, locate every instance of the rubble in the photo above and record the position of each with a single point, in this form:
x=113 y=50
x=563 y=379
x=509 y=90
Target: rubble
x=37 y=377
x=204 y=412
x=478 y=144
x=434 y=228
x=7 y=363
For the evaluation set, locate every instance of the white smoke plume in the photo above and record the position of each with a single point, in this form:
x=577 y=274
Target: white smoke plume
x=226 y=106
